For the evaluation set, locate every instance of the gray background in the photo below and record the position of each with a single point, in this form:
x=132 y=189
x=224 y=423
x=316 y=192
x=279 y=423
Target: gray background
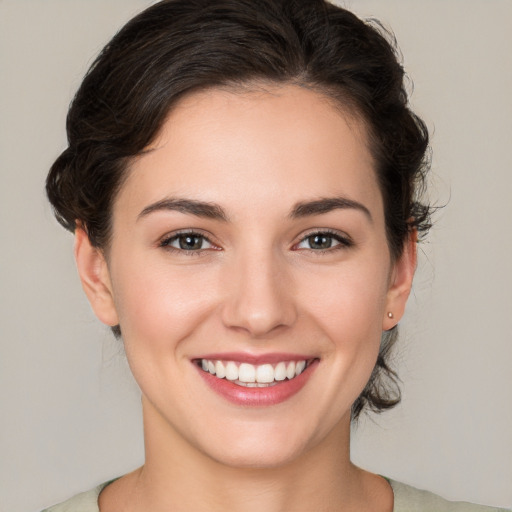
x=70 y=412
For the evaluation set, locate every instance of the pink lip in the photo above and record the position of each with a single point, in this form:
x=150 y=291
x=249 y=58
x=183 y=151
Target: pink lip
x=255 y=359
x=271 y=395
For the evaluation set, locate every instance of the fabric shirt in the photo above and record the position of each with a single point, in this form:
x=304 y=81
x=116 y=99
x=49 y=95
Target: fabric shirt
x=407 y=499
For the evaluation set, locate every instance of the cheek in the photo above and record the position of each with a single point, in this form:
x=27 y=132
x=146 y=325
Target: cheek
x=351 y=300
x=158 y=305
x=348 y=307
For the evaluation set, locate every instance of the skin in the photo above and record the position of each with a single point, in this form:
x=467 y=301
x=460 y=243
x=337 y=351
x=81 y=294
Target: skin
x=258 y=286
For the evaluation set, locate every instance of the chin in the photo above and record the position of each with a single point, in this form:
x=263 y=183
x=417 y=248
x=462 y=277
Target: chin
x=257 y=457
x=254 y=447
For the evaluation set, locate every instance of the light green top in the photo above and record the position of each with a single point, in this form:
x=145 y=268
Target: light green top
x=407 y=499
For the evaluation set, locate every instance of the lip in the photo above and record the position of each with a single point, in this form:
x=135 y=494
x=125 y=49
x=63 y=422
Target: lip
x=258 y=397
x=243 y=357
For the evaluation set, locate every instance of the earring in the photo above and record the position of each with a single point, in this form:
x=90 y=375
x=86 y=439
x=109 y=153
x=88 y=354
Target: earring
x=390 y=315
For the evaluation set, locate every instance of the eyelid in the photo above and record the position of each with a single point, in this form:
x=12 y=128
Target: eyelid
x=164 y=242
x=345 y=241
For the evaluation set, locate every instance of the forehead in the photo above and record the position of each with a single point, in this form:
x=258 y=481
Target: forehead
x=275 y=145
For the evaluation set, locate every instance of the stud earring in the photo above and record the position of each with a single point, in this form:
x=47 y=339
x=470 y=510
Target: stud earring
x=390 y=315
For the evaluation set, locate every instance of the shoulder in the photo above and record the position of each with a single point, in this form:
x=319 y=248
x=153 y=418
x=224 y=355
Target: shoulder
x=83 y=502
x=410 y=499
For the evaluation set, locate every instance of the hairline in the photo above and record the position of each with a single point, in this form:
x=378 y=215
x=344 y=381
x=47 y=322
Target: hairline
x=335 y=96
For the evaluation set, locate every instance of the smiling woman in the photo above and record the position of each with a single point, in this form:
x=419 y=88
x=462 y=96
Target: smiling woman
x=195 y=280
x=244 y=184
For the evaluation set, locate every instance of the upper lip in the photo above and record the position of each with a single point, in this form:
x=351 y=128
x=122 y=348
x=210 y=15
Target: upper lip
x=255 y=359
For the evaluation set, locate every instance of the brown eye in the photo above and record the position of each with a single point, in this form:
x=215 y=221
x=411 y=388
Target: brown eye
x=190 y=242
x=320 y=241
x=187 y=242
x=324 y=241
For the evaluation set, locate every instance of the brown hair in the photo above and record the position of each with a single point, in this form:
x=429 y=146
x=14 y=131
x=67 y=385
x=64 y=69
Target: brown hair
x=176 y=47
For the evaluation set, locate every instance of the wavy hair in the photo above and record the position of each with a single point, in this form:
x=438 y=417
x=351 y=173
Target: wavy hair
x=177 y=47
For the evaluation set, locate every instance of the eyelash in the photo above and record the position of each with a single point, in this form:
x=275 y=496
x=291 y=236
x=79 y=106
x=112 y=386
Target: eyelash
x=344 y=242
x=167 y=241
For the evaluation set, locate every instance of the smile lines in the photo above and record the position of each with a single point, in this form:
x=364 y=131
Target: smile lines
x=249 y=375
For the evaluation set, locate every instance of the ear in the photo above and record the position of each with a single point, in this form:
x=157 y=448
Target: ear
x=400 y=283
x=95 y=278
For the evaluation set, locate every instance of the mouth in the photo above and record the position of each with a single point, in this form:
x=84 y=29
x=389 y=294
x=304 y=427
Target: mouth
x=251 y=375
x=264 y=381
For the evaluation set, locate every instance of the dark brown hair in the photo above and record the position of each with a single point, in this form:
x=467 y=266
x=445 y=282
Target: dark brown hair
x=176 y=47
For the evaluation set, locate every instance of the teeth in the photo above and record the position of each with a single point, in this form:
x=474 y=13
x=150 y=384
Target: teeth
x=290 y=370
x=249 y=375
x=280 y=371
x=231 y=371
x=264 y=373
x=220 y=370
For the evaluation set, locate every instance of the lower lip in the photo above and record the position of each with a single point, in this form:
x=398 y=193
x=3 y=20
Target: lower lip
x=271 y=395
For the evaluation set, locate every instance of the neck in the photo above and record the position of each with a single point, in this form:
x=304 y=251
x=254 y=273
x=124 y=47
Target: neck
x=179 y=476
x=180 y=473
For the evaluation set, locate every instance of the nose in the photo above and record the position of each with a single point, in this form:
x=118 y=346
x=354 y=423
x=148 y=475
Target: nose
x=260 y=295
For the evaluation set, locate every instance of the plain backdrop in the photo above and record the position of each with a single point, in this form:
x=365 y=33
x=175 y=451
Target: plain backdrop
x=69 y=409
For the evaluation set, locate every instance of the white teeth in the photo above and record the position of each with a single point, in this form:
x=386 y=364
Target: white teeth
x=220 y=371
x=254 y=384
x=265 y=373
x=249 y=375
x=299 y=368
x=280 y=371
x=290 y=370
x=231 y=371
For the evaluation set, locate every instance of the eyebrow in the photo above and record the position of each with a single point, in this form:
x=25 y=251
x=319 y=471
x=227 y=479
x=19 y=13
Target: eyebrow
x=215 y=212
x=187 y=206
x=326 y=205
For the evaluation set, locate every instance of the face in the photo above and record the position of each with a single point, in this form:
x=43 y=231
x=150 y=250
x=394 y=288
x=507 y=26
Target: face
x=250 y=242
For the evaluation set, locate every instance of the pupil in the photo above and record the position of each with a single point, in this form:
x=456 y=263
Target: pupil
x=190 y=242
x=320 y=242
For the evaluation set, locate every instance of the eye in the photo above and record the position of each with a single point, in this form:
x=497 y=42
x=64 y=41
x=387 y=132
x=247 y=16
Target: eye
x=188 y=241
x=323 y=241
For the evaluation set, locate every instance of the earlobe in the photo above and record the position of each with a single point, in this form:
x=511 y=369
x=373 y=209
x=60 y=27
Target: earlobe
x=95 y=277
x=400 y=283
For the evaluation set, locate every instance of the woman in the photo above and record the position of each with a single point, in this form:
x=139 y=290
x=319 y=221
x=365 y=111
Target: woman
x=243 y=183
